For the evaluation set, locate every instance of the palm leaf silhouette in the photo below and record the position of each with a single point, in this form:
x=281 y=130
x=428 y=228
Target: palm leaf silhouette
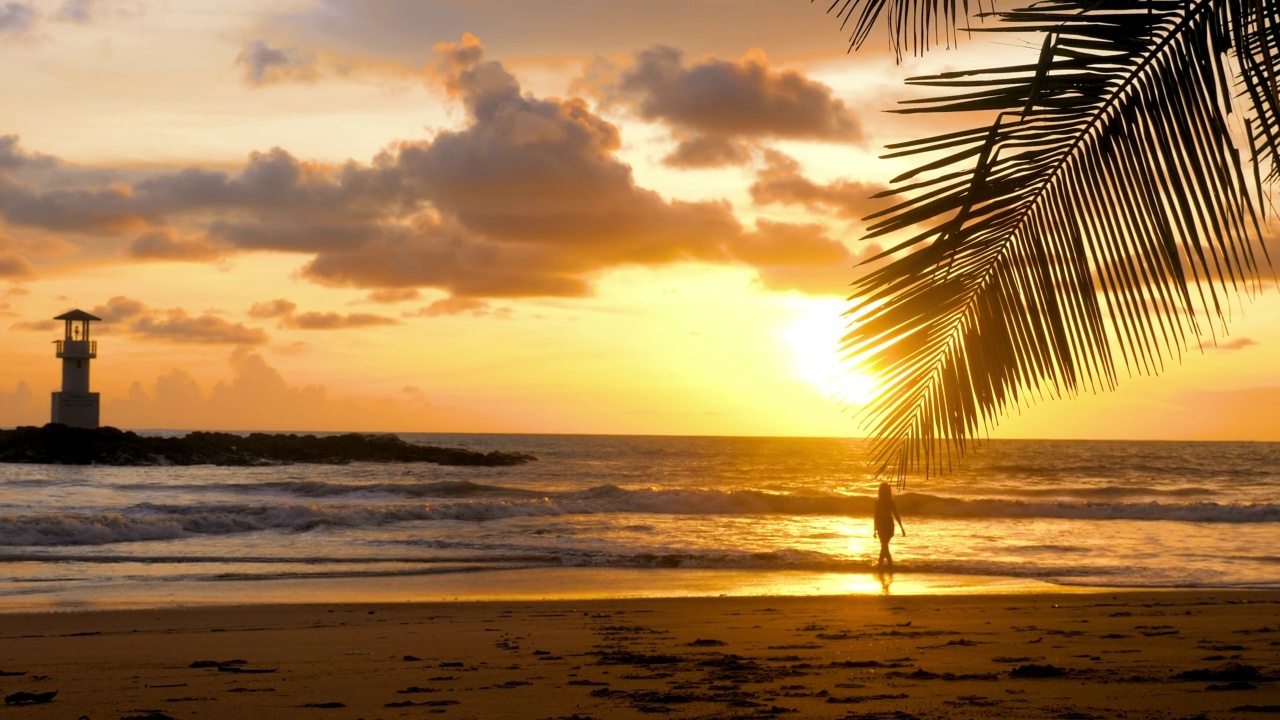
x=1114 y=207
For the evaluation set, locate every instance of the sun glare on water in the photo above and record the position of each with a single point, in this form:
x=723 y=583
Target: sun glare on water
x=814 y=339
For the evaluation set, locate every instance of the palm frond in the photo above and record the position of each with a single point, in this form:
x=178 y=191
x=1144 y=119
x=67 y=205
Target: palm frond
x=913 y=25
x=1107 y=209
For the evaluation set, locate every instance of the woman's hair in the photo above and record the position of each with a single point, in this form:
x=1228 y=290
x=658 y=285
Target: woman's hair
x=885 y=492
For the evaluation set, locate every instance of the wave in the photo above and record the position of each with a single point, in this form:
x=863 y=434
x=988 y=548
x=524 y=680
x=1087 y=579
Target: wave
x=477 y=503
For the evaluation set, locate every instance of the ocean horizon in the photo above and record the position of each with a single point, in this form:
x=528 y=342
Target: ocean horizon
x=624 y=516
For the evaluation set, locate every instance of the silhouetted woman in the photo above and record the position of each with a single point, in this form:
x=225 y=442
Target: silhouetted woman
x=886 y=513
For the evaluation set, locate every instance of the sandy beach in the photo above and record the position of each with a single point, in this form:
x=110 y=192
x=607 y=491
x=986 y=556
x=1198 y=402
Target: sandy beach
x=1177 y=654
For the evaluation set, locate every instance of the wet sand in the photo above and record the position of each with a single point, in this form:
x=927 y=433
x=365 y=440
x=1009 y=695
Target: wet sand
x=1180 y=654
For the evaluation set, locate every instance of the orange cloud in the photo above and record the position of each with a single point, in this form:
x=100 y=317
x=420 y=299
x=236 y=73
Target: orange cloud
x=166 y=245
x=336 y=321
x=527 y=199
x=284 y=310
x=781 y=182
x=391 y=296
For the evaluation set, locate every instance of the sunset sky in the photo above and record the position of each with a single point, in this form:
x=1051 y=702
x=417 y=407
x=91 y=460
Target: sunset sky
x=564 y=216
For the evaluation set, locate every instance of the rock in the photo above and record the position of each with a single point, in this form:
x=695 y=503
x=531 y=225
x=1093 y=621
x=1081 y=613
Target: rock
x=61 y=445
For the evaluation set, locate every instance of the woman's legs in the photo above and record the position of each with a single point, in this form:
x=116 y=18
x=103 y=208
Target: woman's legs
x=884 y=552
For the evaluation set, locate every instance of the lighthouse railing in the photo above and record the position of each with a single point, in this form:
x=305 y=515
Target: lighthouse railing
x=87 y=349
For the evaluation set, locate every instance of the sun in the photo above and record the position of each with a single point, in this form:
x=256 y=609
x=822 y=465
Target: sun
x=814 y=340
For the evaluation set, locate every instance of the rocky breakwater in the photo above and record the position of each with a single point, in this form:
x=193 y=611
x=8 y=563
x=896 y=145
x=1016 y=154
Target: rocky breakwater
x=59 y=444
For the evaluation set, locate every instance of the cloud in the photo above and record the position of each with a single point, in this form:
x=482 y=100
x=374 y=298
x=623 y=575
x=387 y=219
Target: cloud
x=178 y=327
x=17 y=19
x=284 y=310
x=257 y=396
x=781 y=182
x=453 y=306
x=14 y=267
x=36 y=325
x=119 y=309
x=166 y=245
x=175 y=325
x=264 y=64
x=272 y=309
x=527 y=198
x=75 y=11
x=336 y=321
x=799 y=257
x=1239 y=343
x=717 y=108
x=393 y=295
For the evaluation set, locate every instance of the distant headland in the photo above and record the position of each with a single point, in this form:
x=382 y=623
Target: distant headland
x=63 y=445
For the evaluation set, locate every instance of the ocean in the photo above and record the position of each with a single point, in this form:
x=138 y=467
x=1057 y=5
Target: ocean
x=607 y=516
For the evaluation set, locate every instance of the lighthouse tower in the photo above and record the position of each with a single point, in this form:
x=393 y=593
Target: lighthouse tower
x=75 y=405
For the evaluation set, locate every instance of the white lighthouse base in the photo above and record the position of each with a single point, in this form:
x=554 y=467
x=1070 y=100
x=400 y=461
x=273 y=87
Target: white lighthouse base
x=76 y=409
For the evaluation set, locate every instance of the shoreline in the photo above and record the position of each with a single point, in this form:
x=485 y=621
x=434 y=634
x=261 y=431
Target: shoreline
x=573 y=584
x=1164 y=655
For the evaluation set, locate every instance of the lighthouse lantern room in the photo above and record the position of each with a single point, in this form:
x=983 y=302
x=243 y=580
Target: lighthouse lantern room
x=75 y=405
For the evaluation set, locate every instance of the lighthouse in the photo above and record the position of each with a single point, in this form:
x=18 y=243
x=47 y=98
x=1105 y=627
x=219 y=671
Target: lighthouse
x=75 y=405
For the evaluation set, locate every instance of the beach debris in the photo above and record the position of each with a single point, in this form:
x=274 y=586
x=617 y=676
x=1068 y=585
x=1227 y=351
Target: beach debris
x=246 y=689
x=624 y=657
x=1037 y=671
x=855 y=699
x=150 y=715
x=1235 y=685
x=245 y=670
x=416 y=689
x=1257 y=708
x=1226 y=671
x=706 y=642
x=411 y=658
x=334 y=705
x=216 y=663
x=29 y=698
x=12 y=673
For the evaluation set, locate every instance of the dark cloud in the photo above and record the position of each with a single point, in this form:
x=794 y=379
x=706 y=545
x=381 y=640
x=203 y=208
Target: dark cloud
x=705 y=151
x=17 y=19
x=264 y=64
x=166 y=245
x=718 y=107
x=106 y=210
x=75 y=11
x=12 y=157
x=780 y=181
